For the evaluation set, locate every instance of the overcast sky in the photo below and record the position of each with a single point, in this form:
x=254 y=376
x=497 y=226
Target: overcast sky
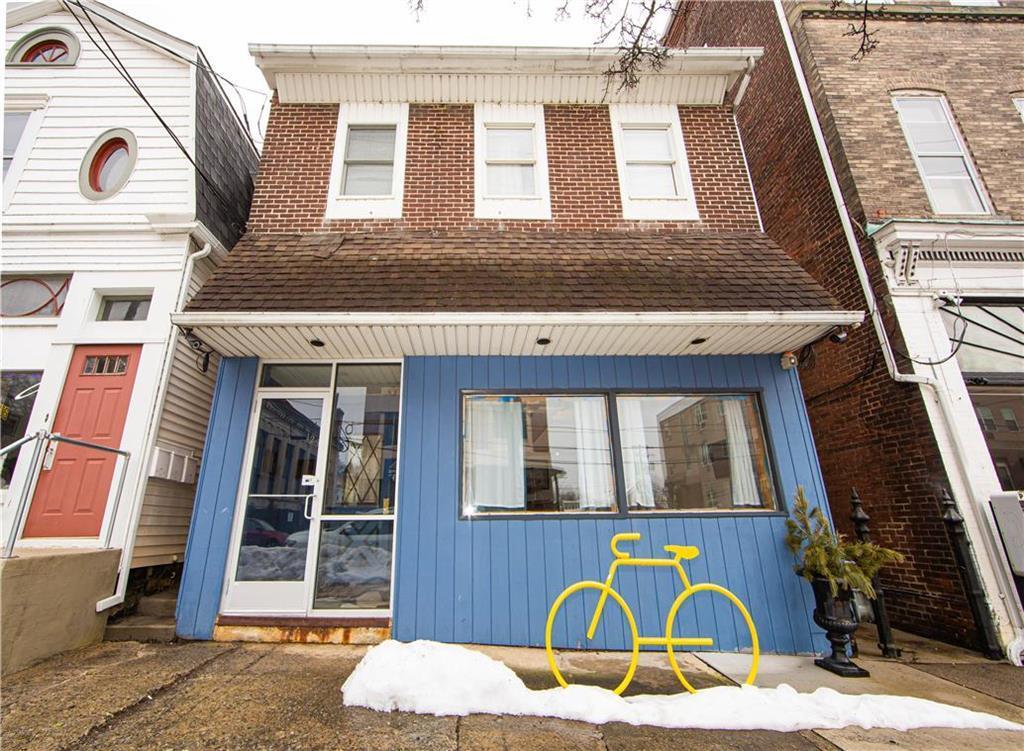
x=224 y=28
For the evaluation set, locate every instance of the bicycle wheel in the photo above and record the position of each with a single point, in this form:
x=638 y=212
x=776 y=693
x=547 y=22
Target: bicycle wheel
x=713 y=588
x=597 y=588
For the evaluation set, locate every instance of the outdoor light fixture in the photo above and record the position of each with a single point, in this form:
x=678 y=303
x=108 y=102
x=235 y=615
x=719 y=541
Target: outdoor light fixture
x=839 y=336
x=317 y=342
x=788 y=361
x=699 y=340
x=543 y=341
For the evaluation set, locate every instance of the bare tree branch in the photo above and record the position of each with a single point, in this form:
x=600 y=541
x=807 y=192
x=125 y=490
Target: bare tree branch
x=861 y=29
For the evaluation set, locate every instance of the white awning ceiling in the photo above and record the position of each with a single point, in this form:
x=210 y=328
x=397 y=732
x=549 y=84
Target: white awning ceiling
x=394 y=335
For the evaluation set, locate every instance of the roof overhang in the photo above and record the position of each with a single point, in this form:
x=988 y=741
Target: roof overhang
x=395 y=335
x=546 y=75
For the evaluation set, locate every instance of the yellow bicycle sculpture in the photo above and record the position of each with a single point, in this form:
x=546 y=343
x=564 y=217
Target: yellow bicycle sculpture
x=678 y=553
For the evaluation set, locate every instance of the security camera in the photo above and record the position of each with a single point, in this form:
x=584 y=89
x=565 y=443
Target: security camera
x=839 y=337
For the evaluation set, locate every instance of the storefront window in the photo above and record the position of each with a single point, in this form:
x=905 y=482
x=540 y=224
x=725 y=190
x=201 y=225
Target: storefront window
x=558 y=453
x=539 y=453
x=989 y=344
x=17 y=395
x=681 y=453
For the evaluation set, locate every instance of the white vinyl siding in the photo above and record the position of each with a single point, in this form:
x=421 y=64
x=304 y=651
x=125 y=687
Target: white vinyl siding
x=940 y=155
x=84 y=101
x=510 y=162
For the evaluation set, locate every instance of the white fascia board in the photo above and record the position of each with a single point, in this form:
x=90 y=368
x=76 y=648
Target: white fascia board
x=959 y=232
x=668 y=318
x=274 y=59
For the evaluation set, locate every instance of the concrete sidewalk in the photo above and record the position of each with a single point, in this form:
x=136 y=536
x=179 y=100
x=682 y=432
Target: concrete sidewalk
x=251 y=697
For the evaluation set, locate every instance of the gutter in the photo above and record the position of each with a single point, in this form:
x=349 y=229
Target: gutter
x=989 y=628
x=128 y=547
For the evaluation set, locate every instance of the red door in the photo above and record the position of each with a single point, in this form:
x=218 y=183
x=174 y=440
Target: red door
x=72 y=494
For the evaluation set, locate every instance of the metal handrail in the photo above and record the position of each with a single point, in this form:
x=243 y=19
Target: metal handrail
x=43 y=438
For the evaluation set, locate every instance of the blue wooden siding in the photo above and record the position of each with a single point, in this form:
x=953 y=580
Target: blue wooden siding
x=216 y=493
x=491 y=581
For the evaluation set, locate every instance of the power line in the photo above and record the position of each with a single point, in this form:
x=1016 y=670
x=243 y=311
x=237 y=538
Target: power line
x=196 y=63
x=123 y=71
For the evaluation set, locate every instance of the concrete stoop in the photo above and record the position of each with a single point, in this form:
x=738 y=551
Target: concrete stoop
x=153 y=621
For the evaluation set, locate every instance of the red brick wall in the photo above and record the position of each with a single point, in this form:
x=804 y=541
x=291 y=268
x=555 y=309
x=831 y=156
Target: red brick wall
x=291 y=191
x=871 y=432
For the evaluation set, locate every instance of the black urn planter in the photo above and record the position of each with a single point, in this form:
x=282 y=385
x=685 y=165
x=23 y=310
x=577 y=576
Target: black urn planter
x=839 y=619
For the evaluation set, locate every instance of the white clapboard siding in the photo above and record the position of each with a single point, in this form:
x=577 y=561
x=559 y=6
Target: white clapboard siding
x=42 y=252
x=88 y=99
x=163 y=525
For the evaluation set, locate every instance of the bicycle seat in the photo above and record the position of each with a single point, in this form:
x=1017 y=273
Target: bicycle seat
x=683 y=552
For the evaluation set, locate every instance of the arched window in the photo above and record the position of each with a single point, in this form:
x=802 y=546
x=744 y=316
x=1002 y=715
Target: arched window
x=49 y=46
x=107 y=164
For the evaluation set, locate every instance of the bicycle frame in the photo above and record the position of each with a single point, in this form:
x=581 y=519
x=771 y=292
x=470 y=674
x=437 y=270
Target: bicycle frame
x=623 y=559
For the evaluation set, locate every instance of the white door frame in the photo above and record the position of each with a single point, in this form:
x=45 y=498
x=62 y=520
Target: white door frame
x=255 y=602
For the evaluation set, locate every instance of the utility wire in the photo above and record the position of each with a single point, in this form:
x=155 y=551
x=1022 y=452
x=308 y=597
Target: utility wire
x=123 y=71
x=237 y=87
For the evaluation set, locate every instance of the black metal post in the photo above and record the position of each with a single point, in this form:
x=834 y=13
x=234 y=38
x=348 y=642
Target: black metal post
x=860 y=525
x=970 y=577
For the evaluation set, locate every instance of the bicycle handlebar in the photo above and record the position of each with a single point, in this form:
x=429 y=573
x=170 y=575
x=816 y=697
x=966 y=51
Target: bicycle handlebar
x=623 y=537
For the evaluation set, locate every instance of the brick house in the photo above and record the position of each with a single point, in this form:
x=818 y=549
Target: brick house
x=921 y=142
x=486 y=315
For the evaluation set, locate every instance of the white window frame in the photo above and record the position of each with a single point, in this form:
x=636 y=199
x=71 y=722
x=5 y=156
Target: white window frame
x=977 y=3
x=682 y=207
x=961 y=144
x=35 y=105
x=368 y=207
x=537 y=206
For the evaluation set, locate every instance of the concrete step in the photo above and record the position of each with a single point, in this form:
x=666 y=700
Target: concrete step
x=141 y=628
x=160 y=604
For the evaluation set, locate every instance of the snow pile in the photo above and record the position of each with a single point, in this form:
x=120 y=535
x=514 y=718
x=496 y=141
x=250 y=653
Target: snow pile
x=444 y=679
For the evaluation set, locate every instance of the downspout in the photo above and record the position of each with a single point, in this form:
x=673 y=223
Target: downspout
x=128 y=548
x=994 y=554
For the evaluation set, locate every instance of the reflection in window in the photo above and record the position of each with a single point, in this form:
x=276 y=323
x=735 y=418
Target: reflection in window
x=353 y=568
x=124 y=308
x=275 y=529
x=536 y=453
x=992 y=336
x=1003 y=437
x=362 y=462
x=296 y=376
x=678 y=454
x=17 y=395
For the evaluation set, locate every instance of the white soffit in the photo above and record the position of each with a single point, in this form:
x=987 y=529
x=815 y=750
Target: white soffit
x=372 y=336
x=544 y=75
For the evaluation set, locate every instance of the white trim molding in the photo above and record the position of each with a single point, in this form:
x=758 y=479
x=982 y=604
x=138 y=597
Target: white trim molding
x=35 y=106
x=368 y=207
x=513 y=116
x=682 y=206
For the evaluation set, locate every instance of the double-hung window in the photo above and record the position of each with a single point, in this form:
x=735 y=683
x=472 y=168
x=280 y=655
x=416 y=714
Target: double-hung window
x=948 y=175
x=613 y=452
x=510 y=162
x=654 y=176
x=368 y=171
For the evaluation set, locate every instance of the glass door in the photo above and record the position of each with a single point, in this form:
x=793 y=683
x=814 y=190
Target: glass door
x=355 y=519
x=314 y=533
x=269 y=570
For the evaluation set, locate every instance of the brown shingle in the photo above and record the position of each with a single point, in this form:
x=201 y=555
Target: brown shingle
x=494 y=272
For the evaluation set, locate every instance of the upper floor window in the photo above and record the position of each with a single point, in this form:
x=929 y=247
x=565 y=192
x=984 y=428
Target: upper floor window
x=39 y=296
x=369 y=160
x=48 y=46
x=511 y=170
x=126 y=308
x=107 y=164
x=1018 y=102
x=368 y=170
x=974 y=2
x=14 y=127
x=23 y=114
x=654 y=176
x=948 y=175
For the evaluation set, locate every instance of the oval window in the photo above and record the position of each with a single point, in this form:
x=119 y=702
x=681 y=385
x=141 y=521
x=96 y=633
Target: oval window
x=108 y=164
x=48 y=51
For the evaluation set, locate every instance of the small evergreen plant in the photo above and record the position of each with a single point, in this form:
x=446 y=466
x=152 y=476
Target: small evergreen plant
x=829 y=556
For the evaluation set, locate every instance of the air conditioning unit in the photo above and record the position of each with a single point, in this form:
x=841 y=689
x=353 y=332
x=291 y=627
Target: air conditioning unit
x=174 y=463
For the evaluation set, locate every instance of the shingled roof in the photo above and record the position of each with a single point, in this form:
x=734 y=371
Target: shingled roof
x=509 y=272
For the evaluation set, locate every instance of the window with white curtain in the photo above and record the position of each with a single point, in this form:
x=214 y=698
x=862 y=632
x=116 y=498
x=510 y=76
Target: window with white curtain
x=556 y=453
x=536 y=453
x=941 y=157
x=510 y=162
x=368 y=168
